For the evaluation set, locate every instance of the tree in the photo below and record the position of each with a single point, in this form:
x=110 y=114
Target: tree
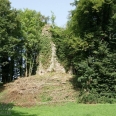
x=9 y=38
x=31 y=23
x=90 y=39
x=53 y=17
x=20 y=32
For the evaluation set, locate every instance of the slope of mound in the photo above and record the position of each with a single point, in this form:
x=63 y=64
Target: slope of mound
x=34 y=90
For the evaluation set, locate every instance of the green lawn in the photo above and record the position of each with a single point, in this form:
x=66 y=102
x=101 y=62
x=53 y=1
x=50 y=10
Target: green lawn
x=69 y=109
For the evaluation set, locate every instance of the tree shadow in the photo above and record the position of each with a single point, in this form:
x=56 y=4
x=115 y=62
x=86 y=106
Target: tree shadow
x=16 y=113
x=75 y=84
x=6 y=109
x=19 y=113
x=2 y=87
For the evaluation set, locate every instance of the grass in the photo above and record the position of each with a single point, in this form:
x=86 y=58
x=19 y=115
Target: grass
x=68 y=109
x=45 y=98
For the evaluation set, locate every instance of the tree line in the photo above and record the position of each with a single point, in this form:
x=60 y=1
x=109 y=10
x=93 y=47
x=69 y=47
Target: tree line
x=20 y=33
x=88 y=46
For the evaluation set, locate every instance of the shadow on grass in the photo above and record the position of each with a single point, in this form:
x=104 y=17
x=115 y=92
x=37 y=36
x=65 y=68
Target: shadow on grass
x=16 y=113
x=6 y=109
x=19 y=113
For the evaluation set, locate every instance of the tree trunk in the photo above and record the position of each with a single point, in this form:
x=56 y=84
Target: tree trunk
x=11 y=68
x=5 y=69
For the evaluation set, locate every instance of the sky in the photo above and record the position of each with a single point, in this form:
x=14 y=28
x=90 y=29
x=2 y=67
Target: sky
x=60 y=8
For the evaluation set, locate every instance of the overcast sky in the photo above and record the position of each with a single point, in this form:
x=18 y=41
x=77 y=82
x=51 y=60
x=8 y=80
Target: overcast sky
x=59 y=7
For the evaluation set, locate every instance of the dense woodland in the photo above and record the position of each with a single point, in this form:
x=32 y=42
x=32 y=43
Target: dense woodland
x=87 y=45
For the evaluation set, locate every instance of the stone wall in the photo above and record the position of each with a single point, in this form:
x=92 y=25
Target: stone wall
x=54 y=64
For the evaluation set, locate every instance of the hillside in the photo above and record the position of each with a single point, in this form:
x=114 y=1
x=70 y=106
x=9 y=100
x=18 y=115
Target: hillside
x=36 y=90
x=50 y=85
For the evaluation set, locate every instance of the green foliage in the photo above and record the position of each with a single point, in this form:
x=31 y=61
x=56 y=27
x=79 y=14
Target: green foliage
x=53 y=17
x=94 y=98
x=94 y=66
x=59 y=38
x=31 y=24
x=45 y=51
x=46 y=98
x=20 y=32
x=10 y=33
x=88 y=46
x=9 y=29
